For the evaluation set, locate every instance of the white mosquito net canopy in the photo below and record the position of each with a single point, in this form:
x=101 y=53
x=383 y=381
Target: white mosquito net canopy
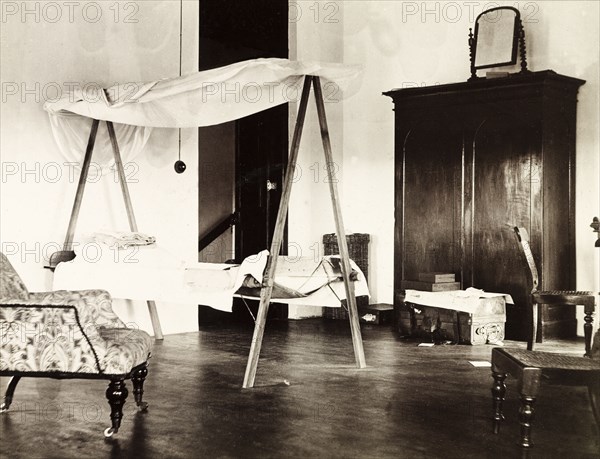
x=200 y=99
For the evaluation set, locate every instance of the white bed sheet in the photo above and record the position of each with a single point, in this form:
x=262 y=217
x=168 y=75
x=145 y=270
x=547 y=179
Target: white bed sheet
x=150 y=273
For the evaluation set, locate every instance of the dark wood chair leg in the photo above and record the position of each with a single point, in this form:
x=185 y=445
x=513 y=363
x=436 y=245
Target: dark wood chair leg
x=526 y=412
x=10 y=391
x=498 y=394
x=116 y=394
x=138 y=378
x=587 y=332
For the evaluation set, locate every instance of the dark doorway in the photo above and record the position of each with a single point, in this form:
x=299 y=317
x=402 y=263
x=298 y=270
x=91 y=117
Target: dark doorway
x=242 y=163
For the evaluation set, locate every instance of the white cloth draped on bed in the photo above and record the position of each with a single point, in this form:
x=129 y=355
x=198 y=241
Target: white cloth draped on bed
x=151 y=273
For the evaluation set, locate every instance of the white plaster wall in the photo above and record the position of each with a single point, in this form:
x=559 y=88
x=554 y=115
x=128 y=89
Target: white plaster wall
x=404 y=44
x=42 y=48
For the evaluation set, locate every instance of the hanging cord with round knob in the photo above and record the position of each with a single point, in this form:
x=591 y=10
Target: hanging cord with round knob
x=179 y=165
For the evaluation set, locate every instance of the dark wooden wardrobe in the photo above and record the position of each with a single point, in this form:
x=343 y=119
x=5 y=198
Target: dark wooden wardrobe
x=472 y=161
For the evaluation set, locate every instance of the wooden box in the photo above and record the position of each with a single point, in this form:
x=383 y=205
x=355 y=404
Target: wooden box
x=429 y=286
x=378 y=314
x=485 y=325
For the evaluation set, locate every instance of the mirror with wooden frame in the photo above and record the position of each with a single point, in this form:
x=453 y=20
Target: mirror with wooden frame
x=498 y=35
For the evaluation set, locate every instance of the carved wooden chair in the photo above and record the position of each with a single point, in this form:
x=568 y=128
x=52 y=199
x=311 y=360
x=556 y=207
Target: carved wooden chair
x=554 y=297
x=531 y=367
x=65 y=334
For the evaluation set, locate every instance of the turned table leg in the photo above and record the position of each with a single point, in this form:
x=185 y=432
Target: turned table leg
x=587 y=332
x=526 y=412
x=498 y=394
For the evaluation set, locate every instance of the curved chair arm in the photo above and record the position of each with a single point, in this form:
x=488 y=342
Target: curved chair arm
x=49 y=338
x=97 y=303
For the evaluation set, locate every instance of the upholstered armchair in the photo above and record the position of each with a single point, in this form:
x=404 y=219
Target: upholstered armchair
x=65 y=334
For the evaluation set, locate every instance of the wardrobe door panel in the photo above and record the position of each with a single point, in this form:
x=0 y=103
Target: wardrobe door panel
x=431 y=213
x=506 y=189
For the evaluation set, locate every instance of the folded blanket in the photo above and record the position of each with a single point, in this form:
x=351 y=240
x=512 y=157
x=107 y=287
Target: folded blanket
x=123 y=240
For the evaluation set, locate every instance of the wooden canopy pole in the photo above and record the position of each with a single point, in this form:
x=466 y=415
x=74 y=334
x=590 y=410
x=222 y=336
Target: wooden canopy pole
x=359 y=353
x=152 y=310
x=267 y=286
x=122 y=179
x=63 y=256
x=85 y=167
x=67 y=253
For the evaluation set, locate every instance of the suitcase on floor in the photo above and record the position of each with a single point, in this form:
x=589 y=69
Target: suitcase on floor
x=484 y=326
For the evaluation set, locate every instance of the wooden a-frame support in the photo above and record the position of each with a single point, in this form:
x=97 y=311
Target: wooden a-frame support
x=267 y=286
x=68 y=245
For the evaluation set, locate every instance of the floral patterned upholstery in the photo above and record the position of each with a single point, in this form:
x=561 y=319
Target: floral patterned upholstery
x=62 y=331
x=69 y=335
x=126 y=348
x=11 y=285
x=95 y=305
x=40 y=339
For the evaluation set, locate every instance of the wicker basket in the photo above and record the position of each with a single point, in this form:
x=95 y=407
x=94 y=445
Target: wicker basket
x=358 y=249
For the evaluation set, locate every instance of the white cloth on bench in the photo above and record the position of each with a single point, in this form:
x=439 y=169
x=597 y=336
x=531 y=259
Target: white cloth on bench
x=457 y=300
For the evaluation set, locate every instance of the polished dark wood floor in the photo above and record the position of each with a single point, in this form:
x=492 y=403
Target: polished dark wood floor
x=309 y=402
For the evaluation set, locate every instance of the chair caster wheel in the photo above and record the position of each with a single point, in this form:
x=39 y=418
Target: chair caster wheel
x=143 y=406
x=109 y=432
